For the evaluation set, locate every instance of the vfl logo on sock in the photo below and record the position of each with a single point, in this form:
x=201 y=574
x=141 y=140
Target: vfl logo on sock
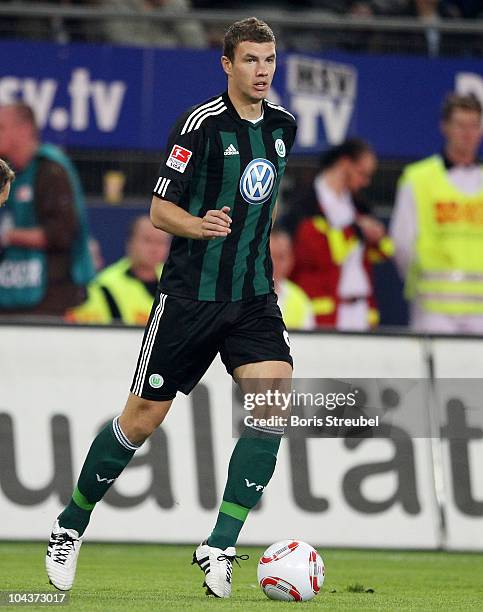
x=254 y=484
x=108 y=480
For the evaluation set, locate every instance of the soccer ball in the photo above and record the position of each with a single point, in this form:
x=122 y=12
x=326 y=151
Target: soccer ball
x=291 y=570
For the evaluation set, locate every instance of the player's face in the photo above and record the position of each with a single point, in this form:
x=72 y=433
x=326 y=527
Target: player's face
x=463 y=132
x=282 y=256
x=360 y=172
x=4 y=194
x=252 y=70
x=148 y=246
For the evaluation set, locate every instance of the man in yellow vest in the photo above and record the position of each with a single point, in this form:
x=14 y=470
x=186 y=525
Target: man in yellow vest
x=294 y=303
x=437 y=227
x=124 y=292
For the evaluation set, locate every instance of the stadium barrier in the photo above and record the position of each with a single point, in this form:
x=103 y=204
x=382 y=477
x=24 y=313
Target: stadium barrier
x=67 y=21
x=59 y=385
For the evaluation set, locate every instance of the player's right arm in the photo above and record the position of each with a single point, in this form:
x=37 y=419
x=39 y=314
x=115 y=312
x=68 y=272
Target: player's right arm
x=187 y=146
x=175 y=220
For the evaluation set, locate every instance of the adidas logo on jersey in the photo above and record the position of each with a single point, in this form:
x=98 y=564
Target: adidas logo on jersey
x=231 y=150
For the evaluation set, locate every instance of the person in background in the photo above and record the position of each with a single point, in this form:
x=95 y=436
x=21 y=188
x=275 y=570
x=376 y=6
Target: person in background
x=336 y=246
x=154 y=33
x=466 y=9
x=429 y=40
x=7 y=176
x=437 y=226
x=45 y=261
x=124 y=292
x=293 y=302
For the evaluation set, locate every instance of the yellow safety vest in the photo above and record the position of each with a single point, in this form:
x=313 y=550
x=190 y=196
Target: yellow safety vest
x=447 y=273
x=296 y=306
x=131 y=296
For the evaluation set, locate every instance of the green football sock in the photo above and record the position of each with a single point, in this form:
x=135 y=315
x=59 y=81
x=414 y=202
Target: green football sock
x=108 y=455
x=251 y=466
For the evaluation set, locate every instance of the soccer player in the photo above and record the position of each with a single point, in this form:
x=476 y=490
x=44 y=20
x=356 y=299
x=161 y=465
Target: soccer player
x=216 y=193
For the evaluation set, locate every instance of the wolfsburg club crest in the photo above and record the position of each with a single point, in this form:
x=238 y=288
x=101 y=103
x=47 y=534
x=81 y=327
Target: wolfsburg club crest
x=258 y=181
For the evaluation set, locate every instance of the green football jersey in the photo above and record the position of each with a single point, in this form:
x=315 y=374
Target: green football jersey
x=214 y=159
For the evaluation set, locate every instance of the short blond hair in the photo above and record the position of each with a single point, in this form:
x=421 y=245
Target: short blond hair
x=455 y=101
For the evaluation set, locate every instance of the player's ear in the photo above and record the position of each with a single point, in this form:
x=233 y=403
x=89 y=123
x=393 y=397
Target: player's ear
x=226 y=65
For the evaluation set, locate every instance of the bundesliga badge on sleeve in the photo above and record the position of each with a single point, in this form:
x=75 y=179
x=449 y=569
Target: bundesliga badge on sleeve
x=178 y=158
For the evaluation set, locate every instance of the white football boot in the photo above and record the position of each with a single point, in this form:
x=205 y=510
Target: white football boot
x=217 y=564
x=61 y=558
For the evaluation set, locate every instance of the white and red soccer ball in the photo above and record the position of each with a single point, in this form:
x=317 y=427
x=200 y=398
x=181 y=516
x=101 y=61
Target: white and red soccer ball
x=291 y=570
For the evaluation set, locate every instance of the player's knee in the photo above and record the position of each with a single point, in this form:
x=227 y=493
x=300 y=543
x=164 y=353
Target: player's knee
x=138 y=428
x=141 y=417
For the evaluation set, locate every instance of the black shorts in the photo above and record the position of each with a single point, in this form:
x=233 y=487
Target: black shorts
x=183 y=337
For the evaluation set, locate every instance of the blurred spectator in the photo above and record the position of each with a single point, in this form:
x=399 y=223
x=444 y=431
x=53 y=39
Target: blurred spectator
x=336 y=246
x=359 y=40
x=124 y=292
x=252 y=4
x=429 y=41
x=53 y=28
x=428 y=12
x=467 y=9
x=7 y=175
x=390 y=8
x=45 y=262
x=314 y=40
x=96 y=254
x=294 y=303
x=421 y=8
x=361 y=9
x=437 y=226
x=153 y=33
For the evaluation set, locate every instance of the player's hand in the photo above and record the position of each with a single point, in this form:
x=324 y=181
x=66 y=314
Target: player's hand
x=216 y=224
x=372 y=229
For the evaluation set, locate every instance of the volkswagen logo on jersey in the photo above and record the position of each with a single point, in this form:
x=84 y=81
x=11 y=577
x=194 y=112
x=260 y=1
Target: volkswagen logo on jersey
x=257 y=181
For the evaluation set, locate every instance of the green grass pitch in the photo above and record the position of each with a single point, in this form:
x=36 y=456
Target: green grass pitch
x=158 y=577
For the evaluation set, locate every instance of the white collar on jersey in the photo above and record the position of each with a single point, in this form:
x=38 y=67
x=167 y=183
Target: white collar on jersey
x=257 y=120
